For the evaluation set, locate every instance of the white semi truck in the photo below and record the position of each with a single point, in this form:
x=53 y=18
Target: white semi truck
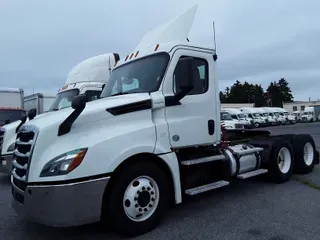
x=126 y=157
x=88 y=77
x=308 y=115
x=239 y=117
x=289 y=118
x=228 y=122
x=254 y=116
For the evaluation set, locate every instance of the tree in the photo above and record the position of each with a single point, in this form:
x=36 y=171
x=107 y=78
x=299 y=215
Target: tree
x=286 y=93
x=279 y=92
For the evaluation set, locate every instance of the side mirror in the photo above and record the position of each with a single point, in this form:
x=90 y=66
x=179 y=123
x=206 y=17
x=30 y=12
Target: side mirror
x=185 y=73
x=23 y=120
x=7 y=121
x=32 y=113
x=79 y=102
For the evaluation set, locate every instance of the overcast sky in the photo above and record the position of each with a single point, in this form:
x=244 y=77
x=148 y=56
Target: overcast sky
x=258 y=41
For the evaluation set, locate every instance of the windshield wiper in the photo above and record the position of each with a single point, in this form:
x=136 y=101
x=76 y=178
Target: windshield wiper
x=119 y=93
x=54 y=109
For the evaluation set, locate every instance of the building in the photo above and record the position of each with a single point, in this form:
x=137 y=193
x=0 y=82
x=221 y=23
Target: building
x=299 y=105
x=236 y=105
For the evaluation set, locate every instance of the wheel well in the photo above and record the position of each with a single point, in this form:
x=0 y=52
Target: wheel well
x=141 y=157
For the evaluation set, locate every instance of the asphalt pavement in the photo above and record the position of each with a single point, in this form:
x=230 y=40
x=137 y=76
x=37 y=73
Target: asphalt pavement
x=245 y=210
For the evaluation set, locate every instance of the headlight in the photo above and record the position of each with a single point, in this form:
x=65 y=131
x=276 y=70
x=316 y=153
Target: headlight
x=11 y=147
x=63 y=164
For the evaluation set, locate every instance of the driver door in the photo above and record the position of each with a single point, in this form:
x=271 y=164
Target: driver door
x=193 y=121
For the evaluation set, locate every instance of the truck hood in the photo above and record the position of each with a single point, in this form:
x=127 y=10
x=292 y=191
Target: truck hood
x=94 y=111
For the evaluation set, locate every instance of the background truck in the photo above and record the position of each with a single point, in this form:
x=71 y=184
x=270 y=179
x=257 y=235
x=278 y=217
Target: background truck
x=228 y=122
x=88 y=77
x=254 y=117
x=238 y=116
x=308 y=115
x=38 y=101
x=153 y=138
x=11 y=105
x=316 y=112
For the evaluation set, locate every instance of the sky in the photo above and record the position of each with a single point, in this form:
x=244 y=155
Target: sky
x=257 y=41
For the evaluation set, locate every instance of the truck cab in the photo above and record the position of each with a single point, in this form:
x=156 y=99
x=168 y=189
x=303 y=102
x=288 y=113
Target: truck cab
x=239 y=116
x=265 y=116
x=228 y=122
x=289 y=119
x=271 y=114
x=254 y=116
x=308 y=115
x=88 y=78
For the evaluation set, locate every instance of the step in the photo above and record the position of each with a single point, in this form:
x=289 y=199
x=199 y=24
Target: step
x=205 y=188
x=203 y=160
x=252 y=173
x=248 y=151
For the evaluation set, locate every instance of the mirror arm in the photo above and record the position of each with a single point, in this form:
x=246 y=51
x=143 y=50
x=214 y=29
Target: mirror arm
x=175 y=99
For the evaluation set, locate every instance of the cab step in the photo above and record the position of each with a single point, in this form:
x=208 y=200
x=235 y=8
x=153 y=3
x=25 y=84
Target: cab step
x=205 y=188
x=203 y=160
x=252 y=173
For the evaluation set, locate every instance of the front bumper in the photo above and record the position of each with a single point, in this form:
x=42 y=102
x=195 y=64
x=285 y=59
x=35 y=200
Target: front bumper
x=6 y=163
x=63 y=205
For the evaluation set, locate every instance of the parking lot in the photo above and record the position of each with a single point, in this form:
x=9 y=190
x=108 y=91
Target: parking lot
x=249 y=209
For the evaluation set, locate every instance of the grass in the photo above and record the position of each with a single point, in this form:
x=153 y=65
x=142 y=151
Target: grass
x=307 y=183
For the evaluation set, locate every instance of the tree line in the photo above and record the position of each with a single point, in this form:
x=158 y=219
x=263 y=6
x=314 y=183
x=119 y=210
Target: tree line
x=276 y=93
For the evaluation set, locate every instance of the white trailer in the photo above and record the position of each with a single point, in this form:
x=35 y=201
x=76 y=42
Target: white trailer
x=39 y=101
x=11 y=104
x=126 y=157
x=88 y=78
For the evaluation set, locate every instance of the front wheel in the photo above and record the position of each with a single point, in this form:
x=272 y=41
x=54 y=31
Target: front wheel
x=139 y=199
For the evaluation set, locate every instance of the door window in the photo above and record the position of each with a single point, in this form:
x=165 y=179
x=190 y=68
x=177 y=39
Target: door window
x=200 y=74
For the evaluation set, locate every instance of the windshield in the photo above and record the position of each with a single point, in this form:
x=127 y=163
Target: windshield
x=286 y=113
x=256 y=115
x=12 y=115
x=63 y=99
x=225 y=116
x=241 y=115
x=265 y=114
x=140 y=76
x=276 y=114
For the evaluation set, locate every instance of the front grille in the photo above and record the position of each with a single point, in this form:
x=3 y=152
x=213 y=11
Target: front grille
x=26 y=137
x=2 y=132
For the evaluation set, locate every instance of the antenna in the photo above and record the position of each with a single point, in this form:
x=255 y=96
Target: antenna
x=215 y=56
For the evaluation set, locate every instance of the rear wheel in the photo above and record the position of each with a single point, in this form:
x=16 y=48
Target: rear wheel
x=139 y=199
x=281 y=161
x=305 y=153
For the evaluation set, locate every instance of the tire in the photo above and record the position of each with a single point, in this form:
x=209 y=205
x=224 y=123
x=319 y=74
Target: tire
x=280 y=149
x=256 y=125
x=144 y=184
x=305 y=153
